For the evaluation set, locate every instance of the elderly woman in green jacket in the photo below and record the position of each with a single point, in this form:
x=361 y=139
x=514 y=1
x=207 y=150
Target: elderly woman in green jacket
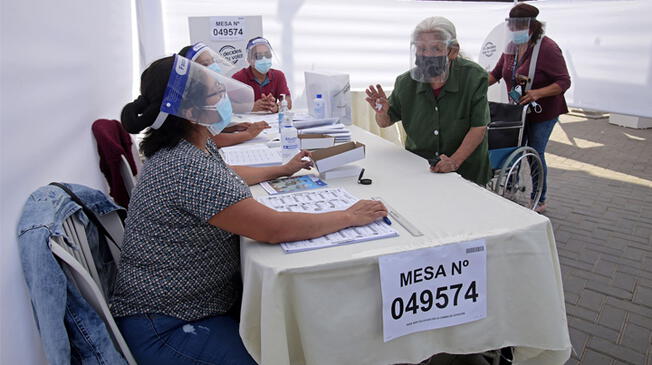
x=442 y=102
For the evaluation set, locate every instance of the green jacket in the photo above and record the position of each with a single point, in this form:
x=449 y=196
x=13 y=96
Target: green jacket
x=437 y=125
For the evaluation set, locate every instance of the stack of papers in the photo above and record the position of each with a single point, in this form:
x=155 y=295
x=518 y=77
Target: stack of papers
x=321 y=201
x=312 y=122
x=251 y=155
x=337 y=130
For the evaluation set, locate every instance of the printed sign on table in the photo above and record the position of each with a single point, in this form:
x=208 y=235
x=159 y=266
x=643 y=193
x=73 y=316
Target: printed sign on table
x=433 y=288
x=228 y=28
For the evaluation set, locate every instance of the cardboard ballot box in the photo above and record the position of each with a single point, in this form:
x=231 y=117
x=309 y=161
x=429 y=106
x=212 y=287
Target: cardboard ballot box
x=332 y=157
x=316 y=141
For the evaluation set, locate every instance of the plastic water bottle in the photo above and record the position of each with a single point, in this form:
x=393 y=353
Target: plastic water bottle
x=289 y=141
x=319 y=107
x=283 y=108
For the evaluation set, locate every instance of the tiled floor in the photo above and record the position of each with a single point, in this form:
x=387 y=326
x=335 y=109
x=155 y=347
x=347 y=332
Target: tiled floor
x=600 y=204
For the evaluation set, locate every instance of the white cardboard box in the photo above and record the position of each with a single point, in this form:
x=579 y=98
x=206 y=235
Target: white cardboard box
x=316 y=141
x=332 y=157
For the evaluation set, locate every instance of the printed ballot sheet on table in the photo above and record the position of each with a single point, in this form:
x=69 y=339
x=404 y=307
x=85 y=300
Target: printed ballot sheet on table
x=250 y=155
x=322 y=201
x=433 y=288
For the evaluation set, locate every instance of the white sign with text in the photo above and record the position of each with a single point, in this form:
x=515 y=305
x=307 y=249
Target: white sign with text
x=228 y=28
x=433 y=288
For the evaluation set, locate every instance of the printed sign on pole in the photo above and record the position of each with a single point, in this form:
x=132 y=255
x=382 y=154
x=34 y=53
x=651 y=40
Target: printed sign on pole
x=433 y=288
x=227 y=35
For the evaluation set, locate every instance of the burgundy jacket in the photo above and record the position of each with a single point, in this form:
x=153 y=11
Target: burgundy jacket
x=551 y=68
x=112 y=142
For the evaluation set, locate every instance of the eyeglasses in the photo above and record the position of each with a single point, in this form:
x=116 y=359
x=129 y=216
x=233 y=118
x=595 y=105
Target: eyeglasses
x=259 y=56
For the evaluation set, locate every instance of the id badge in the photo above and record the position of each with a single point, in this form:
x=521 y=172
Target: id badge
x=514 y=95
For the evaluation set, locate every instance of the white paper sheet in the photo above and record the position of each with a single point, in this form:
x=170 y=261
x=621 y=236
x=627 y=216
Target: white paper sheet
x=322 y=201
x=251 y=155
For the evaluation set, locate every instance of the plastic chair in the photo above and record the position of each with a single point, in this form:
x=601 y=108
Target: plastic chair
x=78 y=264
x=127 y=177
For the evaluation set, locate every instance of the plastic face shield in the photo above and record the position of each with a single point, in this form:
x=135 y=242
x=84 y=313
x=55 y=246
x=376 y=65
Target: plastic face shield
x=201 y=96
x=517 y=33
x=261 y=55
x=205 y=56
x=429 y=57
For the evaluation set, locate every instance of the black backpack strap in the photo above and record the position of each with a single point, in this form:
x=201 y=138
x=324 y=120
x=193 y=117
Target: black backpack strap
x=89 y=213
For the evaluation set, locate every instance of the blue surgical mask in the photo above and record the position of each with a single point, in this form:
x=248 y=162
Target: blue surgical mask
x=263 y=65
x=520 y=36
x=223 y=108
x=215 y=67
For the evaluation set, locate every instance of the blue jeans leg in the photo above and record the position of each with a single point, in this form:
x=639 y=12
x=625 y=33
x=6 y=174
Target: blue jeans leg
x=537 y=135
x=164 y=340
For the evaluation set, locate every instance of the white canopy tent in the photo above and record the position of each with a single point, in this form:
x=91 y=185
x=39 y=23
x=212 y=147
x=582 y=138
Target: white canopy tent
x=67 y=63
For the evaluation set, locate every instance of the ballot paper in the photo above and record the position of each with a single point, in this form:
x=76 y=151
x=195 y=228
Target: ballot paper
x=251 y=155
x=321 y=201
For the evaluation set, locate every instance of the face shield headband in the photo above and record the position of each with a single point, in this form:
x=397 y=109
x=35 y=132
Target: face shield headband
x=205 y=56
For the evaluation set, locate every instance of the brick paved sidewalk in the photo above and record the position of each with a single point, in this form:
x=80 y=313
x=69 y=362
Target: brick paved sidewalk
x=600 y=204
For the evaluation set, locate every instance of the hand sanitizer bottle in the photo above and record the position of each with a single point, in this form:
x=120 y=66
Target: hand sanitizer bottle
x=319 y=107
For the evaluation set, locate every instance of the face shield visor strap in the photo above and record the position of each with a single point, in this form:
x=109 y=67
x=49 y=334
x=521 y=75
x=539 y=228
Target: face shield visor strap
x=160 y=118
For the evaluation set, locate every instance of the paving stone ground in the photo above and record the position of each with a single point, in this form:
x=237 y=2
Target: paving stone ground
x=600 y=205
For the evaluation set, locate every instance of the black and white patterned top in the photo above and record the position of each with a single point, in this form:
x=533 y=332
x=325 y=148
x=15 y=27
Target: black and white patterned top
x=173 y=261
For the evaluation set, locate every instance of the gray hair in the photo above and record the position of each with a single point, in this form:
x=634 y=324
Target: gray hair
x=437 y=25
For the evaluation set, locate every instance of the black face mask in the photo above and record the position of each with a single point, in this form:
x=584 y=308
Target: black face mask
x=431 y=66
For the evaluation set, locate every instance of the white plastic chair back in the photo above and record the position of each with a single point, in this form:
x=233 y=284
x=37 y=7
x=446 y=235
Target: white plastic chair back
x=136 y=154
x=80 y=268
x=127 y=177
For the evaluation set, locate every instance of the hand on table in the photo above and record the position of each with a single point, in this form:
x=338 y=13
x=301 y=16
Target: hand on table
x=366 y=211
x=300 y=161
x=445 y=164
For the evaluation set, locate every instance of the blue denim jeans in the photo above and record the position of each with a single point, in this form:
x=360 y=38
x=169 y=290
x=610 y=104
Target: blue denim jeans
x=537 y=135
x=163 y=340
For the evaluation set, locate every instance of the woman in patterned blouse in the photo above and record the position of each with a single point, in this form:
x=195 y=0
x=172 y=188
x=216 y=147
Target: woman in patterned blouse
x=177 y=294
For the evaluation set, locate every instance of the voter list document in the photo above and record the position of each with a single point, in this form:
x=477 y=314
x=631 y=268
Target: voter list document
x=321 y=201
x=251 y=155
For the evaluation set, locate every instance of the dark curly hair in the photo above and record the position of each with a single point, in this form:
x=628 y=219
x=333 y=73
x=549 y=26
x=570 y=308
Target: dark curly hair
x=523 y=10
x=142 y=112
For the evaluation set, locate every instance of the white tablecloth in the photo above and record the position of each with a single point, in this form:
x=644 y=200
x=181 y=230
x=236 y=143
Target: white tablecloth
x=324 y=306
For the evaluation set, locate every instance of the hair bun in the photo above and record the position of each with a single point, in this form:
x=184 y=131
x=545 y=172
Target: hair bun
x=138 y=115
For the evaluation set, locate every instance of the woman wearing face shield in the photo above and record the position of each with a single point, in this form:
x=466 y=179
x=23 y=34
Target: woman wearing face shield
x=268 y=83
x=442 y=102
x=176 y=297
x=551 y=80
x=239 y=132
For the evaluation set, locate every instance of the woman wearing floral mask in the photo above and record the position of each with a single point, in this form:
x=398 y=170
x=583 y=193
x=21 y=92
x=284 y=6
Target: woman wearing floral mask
x=551 y=80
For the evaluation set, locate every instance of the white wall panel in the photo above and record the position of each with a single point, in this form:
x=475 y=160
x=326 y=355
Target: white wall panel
x=64 y=64
x=607 y=43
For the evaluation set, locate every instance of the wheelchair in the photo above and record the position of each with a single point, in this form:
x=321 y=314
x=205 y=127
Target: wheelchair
x=517 y=168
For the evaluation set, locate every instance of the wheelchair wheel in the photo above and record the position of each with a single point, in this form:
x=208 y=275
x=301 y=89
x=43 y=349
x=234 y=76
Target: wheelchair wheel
x=521 y=177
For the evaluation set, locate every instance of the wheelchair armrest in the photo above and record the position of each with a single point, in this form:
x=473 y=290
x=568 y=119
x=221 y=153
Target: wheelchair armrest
x=501 y=124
